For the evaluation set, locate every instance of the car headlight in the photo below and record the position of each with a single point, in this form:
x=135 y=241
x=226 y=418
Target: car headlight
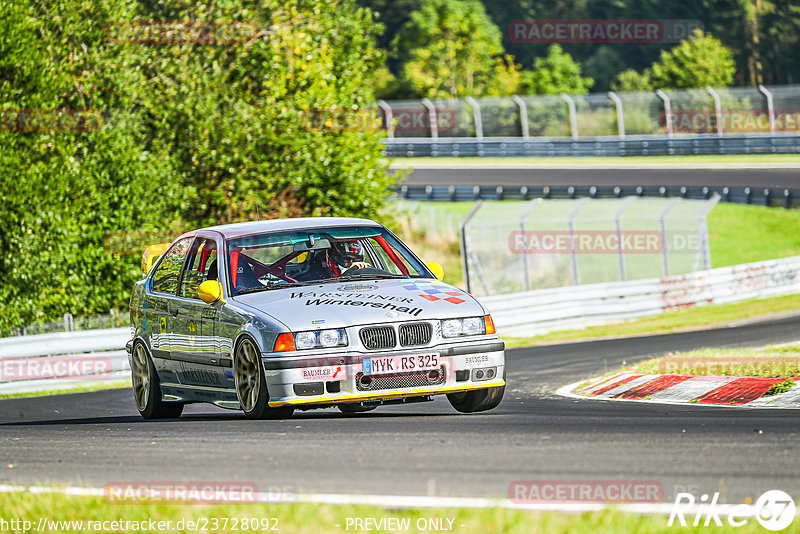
x=320 y=339
x=469 y=326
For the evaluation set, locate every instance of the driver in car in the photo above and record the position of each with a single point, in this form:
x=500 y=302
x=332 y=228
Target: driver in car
x=346 y=255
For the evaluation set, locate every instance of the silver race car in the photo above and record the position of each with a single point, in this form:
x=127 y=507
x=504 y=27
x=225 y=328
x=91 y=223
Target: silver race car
x=273 y=316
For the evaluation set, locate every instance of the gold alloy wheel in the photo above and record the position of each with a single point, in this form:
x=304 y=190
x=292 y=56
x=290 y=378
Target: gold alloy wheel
x=140 y=376
x=248 y=377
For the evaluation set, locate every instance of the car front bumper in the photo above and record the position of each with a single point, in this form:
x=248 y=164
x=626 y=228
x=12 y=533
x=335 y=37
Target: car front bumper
x=329 y=379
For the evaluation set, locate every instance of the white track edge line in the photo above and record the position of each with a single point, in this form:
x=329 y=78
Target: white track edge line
x=394 y=501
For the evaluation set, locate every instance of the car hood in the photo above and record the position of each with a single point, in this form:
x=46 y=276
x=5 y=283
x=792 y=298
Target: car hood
x=342 y=304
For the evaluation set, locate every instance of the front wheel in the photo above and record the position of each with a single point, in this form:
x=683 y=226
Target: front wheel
x=251 y=386
x=147 y=388
x=478 y=400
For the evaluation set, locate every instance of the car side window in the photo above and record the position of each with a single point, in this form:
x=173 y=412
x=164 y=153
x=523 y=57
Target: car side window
x=166 y=276
x=202 y=266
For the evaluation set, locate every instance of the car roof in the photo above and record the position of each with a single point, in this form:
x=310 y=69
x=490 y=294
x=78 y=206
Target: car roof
x=276 y=225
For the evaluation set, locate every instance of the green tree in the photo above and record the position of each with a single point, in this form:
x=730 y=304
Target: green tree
x=700 y=61
x=632 y=81
x=451 y=48
x=179 y=134
x=556 y=73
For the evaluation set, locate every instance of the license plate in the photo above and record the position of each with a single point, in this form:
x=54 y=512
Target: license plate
x=384 y=365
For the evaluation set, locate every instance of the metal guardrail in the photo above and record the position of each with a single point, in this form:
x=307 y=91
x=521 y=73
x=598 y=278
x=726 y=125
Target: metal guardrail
x=538 y=312
x=645 y=145
x=518 y=314
x=780 y=197
x=63 y=360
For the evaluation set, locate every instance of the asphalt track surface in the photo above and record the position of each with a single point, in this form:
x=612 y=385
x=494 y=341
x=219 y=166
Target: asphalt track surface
x=756 y=178
x=98 y=438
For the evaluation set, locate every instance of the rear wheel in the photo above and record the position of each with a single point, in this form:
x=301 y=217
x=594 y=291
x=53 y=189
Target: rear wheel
x=147 y=388
x=251 y=386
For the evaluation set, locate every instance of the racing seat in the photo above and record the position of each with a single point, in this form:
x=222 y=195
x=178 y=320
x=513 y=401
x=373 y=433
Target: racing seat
x=245 y=277
x=212 y=273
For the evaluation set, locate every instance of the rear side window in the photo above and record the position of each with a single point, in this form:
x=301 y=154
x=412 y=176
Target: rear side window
x=165 y=278
x=202 y=266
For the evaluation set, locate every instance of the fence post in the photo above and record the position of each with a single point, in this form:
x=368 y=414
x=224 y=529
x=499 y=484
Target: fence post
x=387 y=113
x=69 y=324
x=703 y=231
x=770 y=107
x=464 y=245
x=476 y=116
x=573 y=114
x=620 y=119
x=523 y=116
x=433 y=122
x=526 y=282
x=667 y=110
x=717 y=108
x=618 y=225
x=573 y=258
x=663 y=225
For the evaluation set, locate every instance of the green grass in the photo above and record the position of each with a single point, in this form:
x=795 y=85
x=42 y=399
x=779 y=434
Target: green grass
x=768 y=362
x=691 y=318
x=630 y=160
x=66 y=391
x=742 y=234
x=317 y=518
x=780 y=387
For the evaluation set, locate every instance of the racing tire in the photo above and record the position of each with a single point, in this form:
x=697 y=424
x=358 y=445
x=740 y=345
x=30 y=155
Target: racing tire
x=478 y=400
x=147 y=387
x=251 y=385
x=354 y=408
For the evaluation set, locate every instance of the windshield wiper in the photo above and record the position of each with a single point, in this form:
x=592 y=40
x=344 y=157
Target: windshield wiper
x=269 y=287
x=370 y=276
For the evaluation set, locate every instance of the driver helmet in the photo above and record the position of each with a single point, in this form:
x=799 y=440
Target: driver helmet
x=348 y=252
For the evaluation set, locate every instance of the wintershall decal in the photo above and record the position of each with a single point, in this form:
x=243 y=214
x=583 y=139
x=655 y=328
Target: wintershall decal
x=361 y=303
x=371 y=296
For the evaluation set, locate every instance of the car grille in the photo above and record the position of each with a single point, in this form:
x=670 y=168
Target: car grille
x=400 y=380
x=415 y=334
x=378 y=337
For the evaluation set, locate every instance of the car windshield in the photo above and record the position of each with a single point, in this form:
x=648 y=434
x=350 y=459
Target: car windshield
x=284 y=259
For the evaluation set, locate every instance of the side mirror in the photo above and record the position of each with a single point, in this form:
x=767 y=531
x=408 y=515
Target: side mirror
x=210 y=291
x=436 y=269
x=151 y=254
